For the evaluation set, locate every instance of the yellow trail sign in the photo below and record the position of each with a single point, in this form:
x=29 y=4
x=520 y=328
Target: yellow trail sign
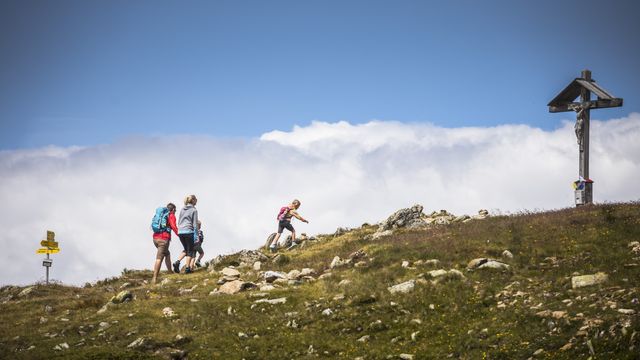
x=47 y=251
x=50 y=235
x=51 y=244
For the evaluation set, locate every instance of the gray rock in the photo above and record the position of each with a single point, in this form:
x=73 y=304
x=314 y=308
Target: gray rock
x=486 y=263
x=507 y=254
x=230 y=272
x=137 y=343
x=169 y=313
x=402 y=218
x=271 y=301
x=124 y=295
x=380 y=234
x=60 y=347
x=307 y=272
x=26 y=291
x=327 y=312
x=588 y=280
x=236 y=286
x=257 y=265
x=406 y=356
x=402 y=288
x=294 y=275
x=337 y=262
x=364 y=339
x=271 y=276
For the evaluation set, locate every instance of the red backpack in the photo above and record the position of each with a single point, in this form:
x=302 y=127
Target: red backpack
x=283 y=212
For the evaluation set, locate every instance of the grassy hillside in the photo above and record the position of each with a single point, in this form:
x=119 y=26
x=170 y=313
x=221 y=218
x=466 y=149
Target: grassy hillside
x=527 y=310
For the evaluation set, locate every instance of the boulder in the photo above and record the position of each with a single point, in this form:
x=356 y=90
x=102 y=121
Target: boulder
x=271 y=276
x=486 y=263
x=169 y=313
x=230 y=272
x=507 y=254
x=403 y=218
x=588 y=280
x=257 y=265
x=381 y=234
x=271 y=301
x=402 y=288
x=307 y=272
x=294 y=275
x=236 y=286
x=122 y=296
x=337 y=262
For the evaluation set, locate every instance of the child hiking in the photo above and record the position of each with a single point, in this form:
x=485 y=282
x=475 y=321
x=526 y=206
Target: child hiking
x=162 y=224
x=187 y=231
x=197 y=247
x=284 y=222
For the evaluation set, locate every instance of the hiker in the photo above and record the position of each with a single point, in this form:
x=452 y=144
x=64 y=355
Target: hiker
x=284 y=222
x=197 y=247
x=187 y=231
x=162 y=237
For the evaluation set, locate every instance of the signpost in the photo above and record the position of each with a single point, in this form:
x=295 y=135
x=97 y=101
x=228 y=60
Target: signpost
x=49 y=246
x=583 y=87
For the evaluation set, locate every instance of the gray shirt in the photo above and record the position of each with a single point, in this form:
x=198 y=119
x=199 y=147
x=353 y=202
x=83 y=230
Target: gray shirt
x=188 y=221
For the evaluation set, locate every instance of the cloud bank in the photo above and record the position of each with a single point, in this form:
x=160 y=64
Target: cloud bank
x=99 y=200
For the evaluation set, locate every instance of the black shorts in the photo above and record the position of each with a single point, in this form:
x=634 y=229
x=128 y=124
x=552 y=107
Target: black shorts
x=285 y=224
x=197 y=248
x=187 y=244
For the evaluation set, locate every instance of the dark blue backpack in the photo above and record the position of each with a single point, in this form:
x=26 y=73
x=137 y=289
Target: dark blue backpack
x=160 y=220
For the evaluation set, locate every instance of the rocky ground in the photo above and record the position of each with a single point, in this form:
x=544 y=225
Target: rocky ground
x=560 y=285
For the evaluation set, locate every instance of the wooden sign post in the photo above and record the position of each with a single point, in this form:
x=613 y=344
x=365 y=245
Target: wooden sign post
x=583 y=87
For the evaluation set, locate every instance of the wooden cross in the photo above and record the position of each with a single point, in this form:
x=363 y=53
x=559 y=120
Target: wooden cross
x=583 y=87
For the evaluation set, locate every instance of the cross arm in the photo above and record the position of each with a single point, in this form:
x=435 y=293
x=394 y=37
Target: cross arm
x=593 y=104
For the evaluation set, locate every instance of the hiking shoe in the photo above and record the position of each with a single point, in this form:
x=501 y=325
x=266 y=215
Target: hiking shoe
x=187 y=270
x=198 y=264
x=176 y=267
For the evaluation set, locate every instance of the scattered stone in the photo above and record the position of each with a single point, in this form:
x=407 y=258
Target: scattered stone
x=405 y=264
x=307 y=272
x=48 y=309
x=486 y=263
x=230 y=272
x=124 y=295
x=26 y=291
x=137 y=343
x=507 y=254
x=188 y=290
x=364 y=339
x=242 y=335
x=257 y=265
x=169 y=313
x=327 y=312
x=271 y=276
x=271 y=301
x=538 y=352
x=402 y=288
x=43 y=320
x=588 y=280
x=165 y=282
x=626 y=311
x=414 y=336
x=267 y=287
x=432 y=262
x=344 y=282
x=337 y=262
x=293 y=275
x=325 y=276
x=236 y=286
x=381 y=234
x=406 y=356
x=60 y=347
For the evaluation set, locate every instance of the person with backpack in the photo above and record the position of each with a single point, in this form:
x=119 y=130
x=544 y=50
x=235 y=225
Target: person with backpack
x=164 y=221
x=285 y=215
x=187 y=231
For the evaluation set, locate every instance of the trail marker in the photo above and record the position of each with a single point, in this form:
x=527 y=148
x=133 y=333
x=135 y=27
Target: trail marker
x=49 y=246
x=583 y=87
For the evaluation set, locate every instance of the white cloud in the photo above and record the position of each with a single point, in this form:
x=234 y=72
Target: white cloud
x=100 y=199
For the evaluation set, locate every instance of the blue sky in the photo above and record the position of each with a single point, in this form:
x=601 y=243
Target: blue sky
x=94 y=72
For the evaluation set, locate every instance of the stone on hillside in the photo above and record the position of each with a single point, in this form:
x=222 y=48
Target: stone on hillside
x=442 y=221
x=405 y=264
x=257 y=265
x=364 y=339
x=626 y=311
x=635 y=247
x=402 y=288
x=337 y=262
x=403 y=218
x=344 y=282
x=406 y=356
x=183 y=291
x=137 y=343
x=43 y=320
x=432 y=262
x=588 y=280
x=507 y=254
x=482 y=214
x=455 y=274
x=267 y=287
x=60 y=347
x=485 y=263
x=26 y=291
x=357 y=255
x=327 y=312
x=325 y=276
x=341 y=231
x=230 y=272
x=124 y=295
x=381 y=234
x=271 y=301
x=437 y=273
x=236 y=286
x=307 y=272
x=165 y=281
x=462 y=218
x=271 y=276
x=293 y=275
x=169 y=313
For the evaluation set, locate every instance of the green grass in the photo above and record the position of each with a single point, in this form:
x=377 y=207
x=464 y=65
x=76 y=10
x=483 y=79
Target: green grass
x=460 y=319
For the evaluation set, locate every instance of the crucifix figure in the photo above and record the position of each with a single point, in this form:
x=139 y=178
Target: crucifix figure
x=583 y=87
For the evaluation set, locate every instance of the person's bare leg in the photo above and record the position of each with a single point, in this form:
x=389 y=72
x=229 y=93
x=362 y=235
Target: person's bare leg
x=293 y=237
x=193 y=263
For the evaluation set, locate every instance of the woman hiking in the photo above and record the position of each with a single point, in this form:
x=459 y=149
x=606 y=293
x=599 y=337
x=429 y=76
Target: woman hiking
x=187 y=231
x=161 y=240
x=284 y=222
